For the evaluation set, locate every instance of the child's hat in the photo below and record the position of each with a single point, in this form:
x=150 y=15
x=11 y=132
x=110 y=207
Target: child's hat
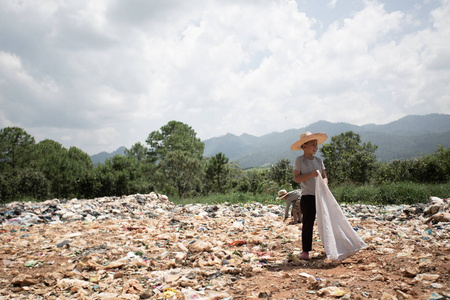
x=282 y=193
x=308 y=136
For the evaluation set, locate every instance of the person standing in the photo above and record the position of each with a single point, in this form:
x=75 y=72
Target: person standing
x=306 y=168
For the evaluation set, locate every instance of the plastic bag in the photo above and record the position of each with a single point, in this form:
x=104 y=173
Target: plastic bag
x=338 y=237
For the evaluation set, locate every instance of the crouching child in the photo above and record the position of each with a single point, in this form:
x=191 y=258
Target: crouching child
x=292 y=199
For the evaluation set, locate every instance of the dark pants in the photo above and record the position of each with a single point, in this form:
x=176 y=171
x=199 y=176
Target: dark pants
x=308 y=205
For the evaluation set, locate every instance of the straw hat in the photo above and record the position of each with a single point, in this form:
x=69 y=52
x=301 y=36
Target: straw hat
x=282 y=193
x=308 y=136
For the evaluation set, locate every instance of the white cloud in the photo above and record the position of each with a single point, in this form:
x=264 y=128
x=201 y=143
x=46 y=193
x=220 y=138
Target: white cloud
x=12 y=71
x=332 y=3
x=105 y=74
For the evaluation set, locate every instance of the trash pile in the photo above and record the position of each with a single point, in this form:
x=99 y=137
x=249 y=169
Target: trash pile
x=145 y=247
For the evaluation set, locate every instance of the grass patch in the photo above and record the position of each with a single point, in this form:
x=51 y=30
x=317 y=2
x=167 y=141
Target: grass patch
x=231 y=198
x=392 y=193
x=23 y=199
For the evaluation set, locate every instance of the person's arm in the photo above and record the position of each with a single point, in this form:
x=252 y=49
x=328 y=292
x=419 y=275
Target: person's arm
x=299 y=177
x=286 y=210
x=324 y=176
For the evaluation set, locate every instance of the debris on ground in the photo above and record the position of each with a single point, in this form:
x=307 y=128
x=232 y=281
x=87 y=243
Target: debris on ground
x=145 y=247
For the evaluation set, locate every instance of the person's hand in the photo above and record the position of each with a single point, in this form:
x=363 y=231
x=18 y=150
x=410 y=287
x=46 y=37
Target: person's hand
x=314 y=173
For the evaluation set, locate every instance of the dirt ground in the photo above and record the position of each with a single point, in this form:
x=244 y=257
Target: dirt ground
x=405 y=259
x=366 y=275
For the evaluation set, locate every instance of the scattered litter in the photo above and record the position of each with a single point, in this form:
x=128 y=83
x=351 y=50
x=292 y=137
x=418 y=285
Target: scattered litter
x=145 y=247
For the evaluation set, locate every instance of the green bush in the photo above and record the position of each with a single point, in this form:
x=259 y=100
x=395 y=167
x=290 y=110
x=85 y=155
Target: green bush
x=433 y=168
x=8 y=188
x=33 y=184
x=355 y=194
x=392 y=193
x=401 y=193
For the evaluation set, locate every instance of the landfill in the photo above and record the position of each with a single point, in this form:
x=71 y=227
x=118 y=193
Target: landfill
x=144 y=247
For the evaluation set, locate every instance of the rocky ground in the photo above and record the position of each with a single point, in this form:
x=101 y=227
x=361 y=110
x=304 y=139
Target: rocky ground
x=144 y=247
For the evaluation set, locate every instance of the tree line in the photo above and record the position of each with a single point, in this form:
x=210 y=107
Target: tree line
x=172 y=163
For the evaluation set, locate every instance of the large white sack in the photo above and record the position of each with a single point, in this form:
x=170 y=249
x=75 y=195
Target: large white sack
x=338 y=237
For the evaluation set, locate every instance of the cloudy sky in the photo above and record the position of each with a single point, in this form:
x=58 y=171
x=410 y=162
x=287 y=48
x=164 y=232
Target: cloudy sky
x=102 y=74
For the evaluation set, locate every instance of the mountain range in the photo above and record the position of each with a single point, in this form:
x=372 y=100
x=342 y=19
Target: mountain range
x=406 y=138
x=102 y=156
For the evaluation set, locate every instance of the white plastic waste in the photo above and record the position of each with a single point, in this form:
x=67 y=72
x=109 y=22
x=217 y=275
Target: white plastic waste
x=338 y=237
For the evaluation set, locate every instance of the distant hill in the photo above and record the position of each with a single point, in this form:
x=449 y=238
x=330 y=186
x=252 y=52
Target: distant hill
x=408 y=137
x=102 y=156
